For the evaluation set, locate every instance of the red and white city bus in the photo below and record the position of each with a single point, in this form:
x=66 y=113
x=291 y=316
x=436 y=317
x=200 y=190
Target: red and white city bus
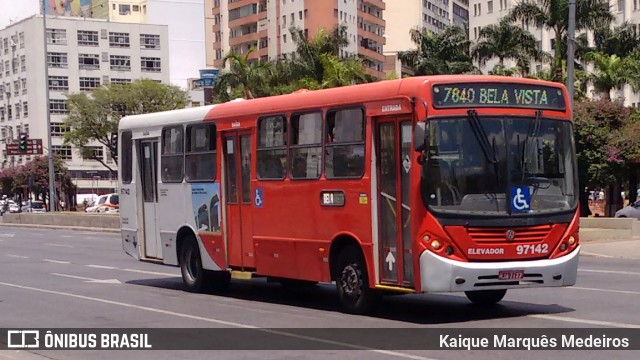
x=424 y=184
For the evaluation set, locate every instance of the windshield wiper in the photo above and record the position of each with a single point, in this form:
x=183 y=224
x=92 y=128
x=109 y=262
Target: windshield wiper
x=534 y=127
x=481 y=136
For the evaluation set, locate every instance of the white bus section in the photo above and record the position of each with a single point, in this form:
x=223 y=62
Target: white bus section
x=152 y=212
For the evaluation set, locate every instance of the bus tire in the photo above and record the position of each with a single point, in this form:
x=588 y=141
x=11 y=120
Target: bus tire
x=486 y=297
x=194 y=276
x=352 y=283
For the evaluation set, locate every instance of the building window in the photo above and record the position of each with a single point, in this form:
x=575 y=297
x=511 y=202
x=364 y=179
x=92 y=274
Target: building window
x=7 y=67
x=151 y=64
x=62 y=152
x=489 y=7
x=58 y=106
x=172 y=160
x=25 y=109
x=23 y=63
x=149 y=41
x=200 y=157
x=89 y=61
x=21 y=36
x=88 y=38
x=24 y=85
x=16 y=88
x=306 y=146
x=620 y=5
x=57 y=36
x=94 y=153
x=119 y=39
x=58 y=129
x=18 y=107
x=57 y=60
x=124 y=9
x=120 y=81
x=89 y=83
x=120 y=62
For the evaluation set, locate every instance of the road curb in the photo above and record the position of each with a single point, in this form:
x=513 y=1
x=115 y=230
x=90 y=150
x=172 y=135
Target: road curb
x=59 y=227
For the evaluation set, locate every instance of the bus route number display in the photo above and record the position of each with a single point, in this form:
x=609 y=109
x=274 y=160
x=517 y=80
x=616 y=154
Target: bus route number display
x=498 y=95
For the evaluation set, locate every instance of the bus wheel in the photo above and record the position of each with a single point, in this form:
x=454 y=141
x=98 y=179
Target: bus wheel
x=486 y=297
x=352 y=283
x=194 y=276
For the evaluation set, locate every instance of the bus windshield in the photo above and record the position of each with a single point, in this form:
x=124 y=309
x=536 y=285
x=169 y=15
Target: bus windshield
x=474 y=162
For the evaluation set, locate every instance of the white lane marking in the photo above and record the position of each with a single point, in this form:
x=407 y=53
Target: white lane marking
x=583 y=321
x=101 y=281
x=7 y=235
x=17 y=256
x=101 y=267
x=56 y=261
x=66 y=236
x=215 y=321
x=610 y=271
x=59 y=245
x=604 y=290
x=595 y=254
x=150 y=272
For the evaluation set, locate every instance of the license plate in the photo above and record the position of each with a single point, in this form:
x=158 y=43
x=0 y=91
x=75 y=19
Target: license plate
x=510 y=274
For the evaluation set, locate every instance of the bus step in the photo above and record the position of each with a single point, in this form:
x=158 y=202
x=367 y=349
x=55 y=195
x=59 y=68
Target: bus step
x=241 y=275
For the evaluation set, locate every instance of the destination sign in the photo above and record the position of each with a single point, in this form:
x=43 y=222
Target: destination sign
x=497 y=95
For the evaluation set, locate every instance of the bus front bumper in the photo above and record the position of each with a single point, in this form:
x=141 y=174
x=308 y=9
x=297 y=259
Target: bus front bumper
x=438 y=274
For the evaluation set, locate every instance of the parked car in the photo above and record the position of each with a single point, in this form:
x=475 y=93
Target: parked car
x=631 y=211
x=35 y=206
x=105 y=203
x=13 y=206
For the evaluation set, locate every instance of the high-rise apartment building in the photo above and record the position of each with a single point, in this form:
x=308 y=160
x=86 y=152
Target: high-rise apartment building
x=81 y=55
x=403 y=16
x=486 y=12
x=239 y=25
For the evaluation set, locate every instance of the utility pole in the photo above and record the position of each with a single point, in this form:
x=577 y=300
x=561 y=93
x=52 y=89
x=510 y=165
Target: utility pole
x=52 y=184
x=571 y=34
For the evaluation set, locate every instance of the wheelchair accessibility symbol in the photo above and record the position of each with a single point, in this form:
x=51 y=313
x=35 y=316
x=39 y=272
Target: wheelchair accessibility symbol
x=258 y=197
x=520 y=199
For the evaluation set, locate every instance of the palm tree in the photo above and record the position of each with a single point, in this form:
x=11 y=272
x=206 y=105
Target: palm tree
x=507 y=41
x=621 y=40
x=554 y=14
x=307 y=59
x=611 y=72
x=245 y=76
x=439 y=53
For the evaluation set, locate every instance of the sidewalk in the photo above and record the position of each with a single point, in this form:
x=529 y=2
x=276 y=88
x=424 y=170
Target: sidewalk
x=614 y=248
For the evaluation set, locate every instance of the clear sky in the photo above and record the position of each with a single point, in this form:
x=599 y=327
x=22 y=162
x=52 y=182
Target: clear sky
x=185 y=19
x=11 y=10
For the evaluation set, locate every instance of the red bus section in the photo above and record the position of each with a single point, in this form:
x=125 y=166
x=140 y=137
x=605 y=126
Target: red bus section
x=425 y=184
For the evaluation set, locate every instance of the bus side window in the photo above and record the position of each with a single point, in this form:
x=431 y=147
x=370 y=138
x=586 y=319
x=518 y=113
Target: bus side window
x=272 y=147
x=306 y=145
x=126 y=162
x=200 y=156
x=344 y=143
x=172 y=161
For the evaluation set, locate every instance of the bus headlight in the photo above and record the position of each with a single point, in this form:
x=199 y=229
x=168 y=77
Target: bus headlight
x=435 y=244
x=571 y=240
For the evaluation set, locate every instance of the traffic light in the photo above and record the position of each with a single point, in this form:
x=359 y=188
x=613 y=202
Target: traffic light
x=114 y=146
x=23 y=143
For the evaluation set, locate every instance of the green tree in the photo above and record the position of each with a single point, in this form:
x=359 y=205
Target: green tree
x=622 y=40
x=245 y=76
x=447 y=52
x=606 y=143
x=507 y=41
x=554 y=14
x=307 y=61
x=611 y=72
x=94 y=116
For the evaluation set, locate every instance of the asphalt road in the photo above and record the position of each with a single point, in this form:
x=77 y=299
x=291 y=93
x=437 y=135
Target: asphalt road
x=58 y=278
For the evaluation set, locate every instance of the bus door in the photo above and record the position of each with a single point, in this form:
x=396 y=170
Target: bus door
x=237 y=152
x=393 y=162
x=149 y=179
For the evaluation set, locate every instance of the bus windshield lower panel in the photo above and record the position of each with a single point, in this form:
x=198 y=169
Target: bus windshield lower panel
x=479 y=165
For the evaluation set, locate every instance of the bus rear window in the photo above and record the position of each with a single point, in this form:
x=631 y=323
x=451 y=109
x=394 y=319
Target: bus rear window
x=200 y=157
x=344 y=144
x=126 y=161
x=272 y=147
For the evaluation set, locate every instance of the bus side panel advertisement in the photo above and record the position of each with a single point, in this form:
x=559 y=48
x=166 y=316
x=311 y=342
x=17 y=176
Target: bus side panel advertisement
x=205 y=201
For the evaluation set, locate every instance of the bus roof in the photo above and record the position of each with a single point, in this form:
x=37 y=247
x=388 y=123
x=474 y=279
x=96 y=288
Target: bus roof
x=162 y=118
x=342 y=96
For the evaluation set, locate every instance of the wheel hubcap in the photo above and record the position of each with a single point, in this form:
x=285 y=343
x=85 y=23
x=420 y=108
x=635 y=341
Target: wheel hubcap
x=350 y=281
x=192 y=265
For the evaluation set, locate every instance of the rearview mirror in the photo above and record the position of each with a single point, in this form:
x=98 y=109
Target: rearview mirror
x=420 y=136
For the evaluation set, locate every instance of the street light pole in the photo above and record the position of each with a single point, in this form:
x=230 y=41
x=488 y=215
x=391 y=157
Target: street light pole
x=52 y=186
x=571 y=32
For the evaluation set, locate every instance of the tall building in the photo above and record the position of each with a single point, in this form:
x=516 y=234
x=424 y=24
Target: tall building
x=486 y=12
x=264 y=24
x=81 y=55
x=184 y=18
x=403 y=16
